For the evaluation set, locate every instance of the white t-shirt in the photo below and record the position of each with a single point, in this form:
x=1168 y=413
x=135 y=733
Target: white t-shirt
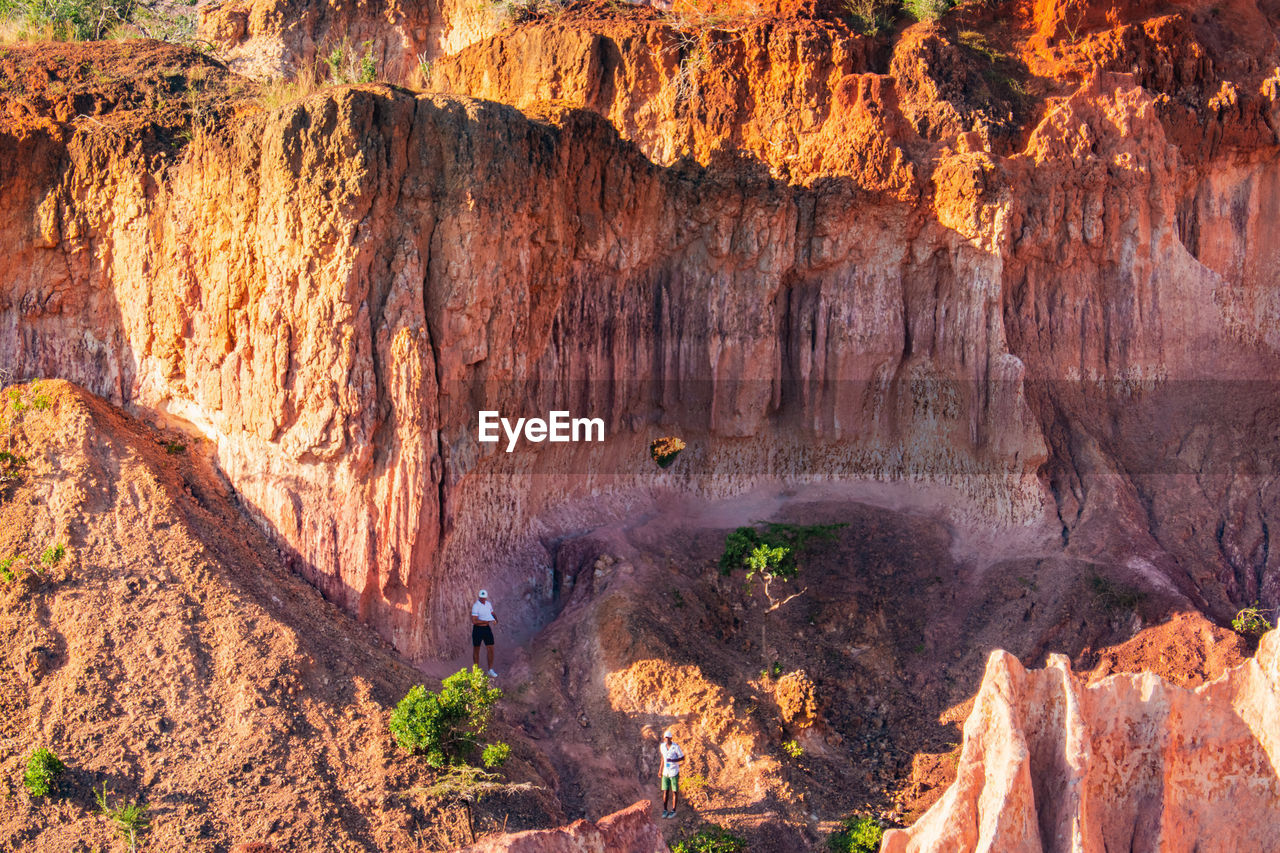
x=669 y=756
x=482 y=610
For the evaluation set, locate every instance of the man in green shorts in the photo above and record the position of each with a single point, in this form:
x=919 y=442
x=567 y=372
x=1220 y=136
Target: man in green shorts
x=672 y=755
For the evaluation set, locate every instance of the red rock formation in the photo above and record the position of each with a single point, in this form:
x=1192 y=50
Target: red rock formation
x=329 y=291
x=1131 y=762
x=631 y=830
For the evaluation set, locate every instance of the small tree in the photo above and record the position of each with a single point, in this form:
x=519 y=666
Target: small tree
x=445 y=726
x=768 y=565
x=770 y=557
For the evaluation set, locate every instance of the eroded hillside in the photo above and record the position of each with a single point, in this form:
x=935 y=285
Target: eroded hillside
x=168 y=654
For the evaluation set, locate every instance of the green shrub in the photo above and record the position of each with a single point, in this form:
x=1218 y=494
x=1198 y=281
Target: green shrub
x=130 y=819
x=1251 y=622
x=43 y=768
x=495 y=755
x=772 y=562
x=68 y=20
x=7 y=572
x=53 y=554
x=15 y=394
x=859 y=834
x=445 y=726
x=792 y=748
x=710 y=839
x=926 y=10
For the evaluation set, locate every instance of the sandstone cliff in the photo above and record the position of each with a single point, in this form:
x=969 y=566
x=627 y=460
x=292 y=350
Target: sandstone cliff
x=1131 y=762
x=887 y=278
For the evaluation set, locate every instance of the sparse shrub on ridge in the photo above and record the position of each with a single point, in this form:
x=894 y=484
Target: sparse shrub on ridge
x=43 y=769
x=446 y=726
x=860 y=834
x=927 y=10
x=870 y=17
x=346 y=66
x=67 y=20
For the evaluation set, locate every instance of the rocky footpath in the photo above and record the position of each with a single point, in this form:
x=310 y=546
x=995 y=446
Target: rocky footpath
x=1130 y=762
x=631 y=830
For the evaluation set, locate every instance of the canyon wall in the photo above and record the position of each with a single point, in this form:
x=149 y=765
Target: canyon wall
x=902 y=287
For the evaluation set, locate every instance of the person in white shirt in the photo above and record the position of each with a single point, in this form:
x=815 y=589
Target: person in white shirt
x=482 y=622
x=672 y=755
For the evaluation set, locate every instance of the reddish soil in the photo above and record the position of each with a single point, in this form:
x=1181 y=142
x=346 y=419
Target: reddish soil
x=170 y=656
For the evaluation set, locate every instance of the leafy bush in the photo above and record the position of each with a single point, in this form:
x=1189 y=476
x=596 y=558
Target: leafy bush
x=43 y=768
x=792 y=748
x=710 y=839
x=445 y=726
x=926 y=10
x=53 y=554
x=130 y=819
x=1251 y=622
x=68 y=20
x=495 y=755
x=859 y=834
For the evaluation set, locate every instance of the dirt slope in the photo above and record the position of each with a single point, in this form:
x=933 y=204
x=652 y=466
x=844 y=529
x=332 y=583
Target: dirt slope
x=171 y=656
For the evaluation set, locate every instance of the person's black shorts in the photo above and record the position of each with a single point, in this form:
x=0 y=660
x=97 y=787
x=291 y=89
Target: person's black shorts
x=481 y=634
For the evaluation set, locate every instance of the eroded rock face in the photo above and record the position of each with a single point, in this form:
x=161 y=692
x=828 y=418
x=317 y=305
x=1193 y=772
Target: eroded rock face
x=1130 y=762
x=272 y=39
x=330 y=291
x=631 y=830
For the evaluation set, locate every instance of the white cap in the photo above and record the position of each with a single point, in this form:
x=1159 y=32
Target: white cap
x=484 y=593
x=668 y=733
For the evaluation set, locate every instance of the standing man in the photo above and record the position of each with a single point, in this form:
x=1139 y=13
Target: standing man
x=482 y=623
x=672 y=755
